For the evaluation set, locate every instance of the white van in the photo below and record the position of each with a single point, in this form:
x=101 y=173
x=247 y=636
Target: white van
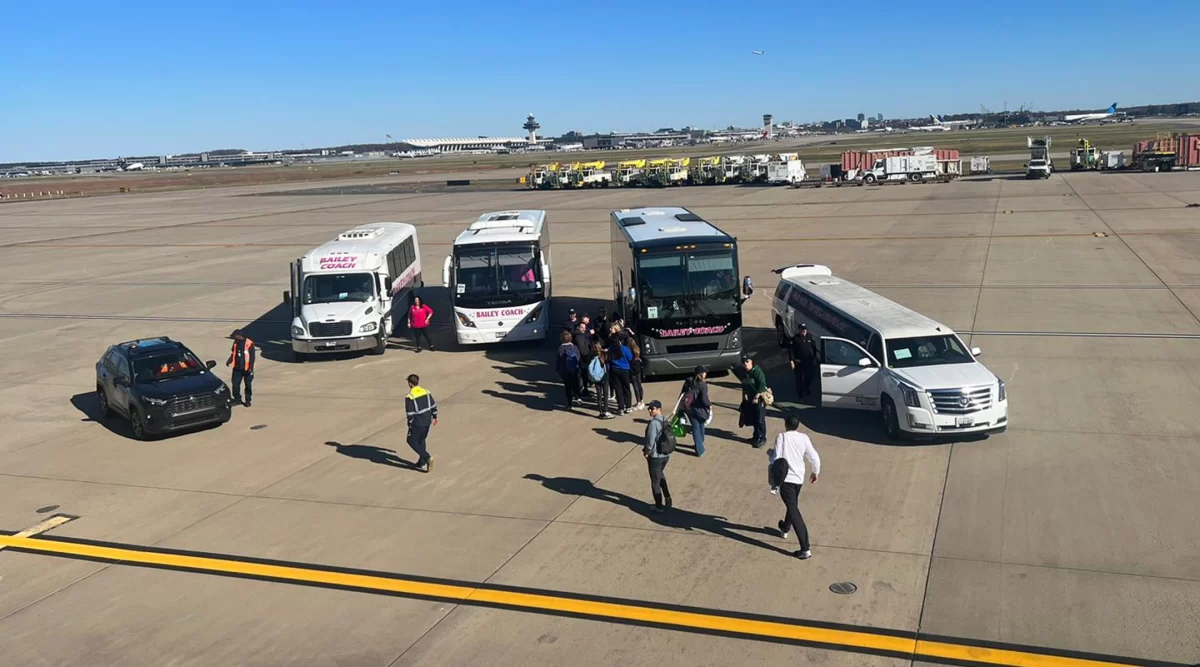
x=878 y=355
x=344 y=293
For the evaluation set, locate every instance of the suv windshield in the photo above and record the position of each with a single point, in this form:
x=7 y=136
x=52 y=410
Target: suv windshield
x=335 y=287
x=166 y=365
x=927 y=351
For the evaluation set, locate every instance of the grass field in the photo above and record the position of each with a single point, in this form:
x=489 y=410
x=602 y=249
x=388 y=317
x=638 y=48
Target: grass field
x=1008 y=142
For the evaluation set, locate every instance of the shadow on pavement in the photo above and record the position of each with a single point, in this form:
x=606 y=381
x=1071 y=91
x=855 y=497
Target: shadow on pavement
x=88 y=404
x=672 y=518
x=373 y=454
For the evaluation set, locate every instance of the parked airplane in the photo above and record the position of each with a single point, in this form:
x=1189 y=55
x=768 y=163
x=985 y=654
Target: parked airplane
x=1084 y=117
x=936 y=127
x=136 y=166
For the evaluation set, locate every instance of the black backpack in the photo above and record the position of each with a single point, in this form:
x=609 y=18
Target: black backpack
x=666 y=439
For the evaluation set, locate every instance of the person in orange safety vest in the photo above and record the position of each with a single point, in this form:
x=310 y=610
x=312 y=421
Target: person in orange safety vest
x=242 y=358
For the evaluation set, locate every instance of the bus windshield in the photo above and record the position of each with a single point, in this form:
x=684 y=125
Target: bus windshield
x=686 y=284
x=336 y=287
x=486 y=277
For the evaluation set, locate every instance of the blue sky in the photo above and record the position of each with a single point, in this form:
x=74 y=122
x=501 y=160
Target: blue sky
x=98 y=79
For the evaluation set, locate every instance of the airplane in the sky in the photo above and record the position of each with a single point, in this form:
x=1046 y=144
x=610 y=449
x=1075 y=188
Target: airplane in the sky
x=758 y=53
x=1099 y=115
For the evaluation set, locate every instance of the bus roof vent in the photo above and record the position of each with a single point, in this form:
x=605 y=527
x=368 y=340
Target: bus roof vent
x=688 y=217
x=630 y=222
x=359 y=234
x=823 y=281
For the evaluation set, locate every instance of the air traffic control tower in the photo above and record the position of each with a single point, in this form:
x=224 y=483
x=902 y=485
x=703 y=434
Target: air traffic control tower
x=532 y=127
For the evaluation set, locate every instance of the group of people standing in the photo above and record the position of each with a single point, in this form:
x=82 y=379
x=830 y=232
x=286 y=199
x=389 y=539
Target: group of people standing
x=600 y=359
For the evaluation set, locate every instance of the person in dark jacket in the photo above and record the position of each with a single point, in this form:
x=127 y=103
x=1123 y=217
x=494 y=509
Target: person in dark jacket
x=619 y=359
x=583 y=341
x=802 y=355
x=696 y=406
x=572 y=321
x=656 y=461
x=569 y=364
x=421 y=412
x=635 y=371
x=602 y=326
x=754 y=408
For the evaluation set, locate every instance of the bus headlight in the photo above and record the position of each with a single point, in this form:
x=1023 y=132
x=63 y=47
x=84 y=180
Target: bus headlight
x=297 y=331
x=911 y=399
x=465 y=321
x=735 y=339
x=1003 y=395
x=533 y=316
x=368 y=327
x=648 y=345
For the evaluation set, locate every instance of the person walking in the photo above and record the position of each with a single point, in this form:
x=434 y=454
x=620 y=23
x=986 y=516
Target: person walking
x=656 y=459
x=696 y=406
x=598 y=376
x=754 y=407
x=620 y=356
x=421 y=411
x=419 y=317
x=568 y=366
x=242 y=357
x=794 y=448
x=802 y=355
x=636 y=366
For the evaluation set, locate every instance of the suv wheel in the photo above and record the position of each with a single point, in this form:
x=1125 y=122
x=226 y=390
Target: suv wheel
x=891 y=421
x=102 y=398
x=138 y=424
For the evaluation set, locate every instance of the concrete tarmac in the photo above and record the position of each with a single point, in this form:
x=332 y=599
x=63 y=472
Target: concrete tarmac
x=1075 y=531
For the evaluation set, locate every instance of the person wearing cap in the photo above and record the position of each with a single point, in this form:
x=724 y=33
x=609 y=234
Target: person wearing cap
x=242 y=357
x=754 y=409
x=802 y=355
x=696 y=406
x=572 y=322
x=655 y=460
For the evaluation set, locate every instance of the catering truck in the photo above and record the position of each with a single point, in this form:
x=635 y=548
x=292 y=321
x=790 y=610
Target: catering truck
x=790 y=172
x=498 y=274
x=914 y=168
x=344 y=293
x=876 y=355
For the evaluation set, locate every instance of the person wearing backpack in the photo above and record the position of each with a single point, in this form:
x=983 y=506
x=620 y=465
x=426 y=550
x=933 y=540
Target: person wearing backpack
x=696 y=406
x=597 y=374
x=568 y=366
x=659 y=444
x=620 y=356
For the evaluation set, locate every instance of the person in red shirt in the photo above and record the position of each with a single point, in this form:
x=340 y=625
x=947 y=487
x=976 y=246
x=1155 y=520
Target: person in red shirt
x=419 y=317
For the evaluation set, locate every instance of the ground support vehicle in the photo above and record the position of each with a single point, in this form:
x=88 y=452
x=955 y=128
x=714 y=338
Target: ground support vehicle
x=902 y=168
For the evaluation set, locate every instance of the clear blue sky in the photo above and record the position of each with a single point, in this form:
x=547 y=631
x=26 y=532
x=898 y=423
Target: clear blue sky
x=97 y=79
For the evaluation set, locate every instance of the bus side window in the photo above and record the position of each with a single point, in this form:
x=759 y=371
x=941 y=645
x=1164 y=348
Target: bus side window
x=875 y=347
x=781 y=291
x=410 y=255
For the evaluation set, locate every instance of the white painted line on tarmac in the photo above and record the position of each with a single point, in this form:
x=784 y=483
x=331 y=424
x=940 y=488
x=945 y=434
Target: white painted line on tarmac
x=44 y=526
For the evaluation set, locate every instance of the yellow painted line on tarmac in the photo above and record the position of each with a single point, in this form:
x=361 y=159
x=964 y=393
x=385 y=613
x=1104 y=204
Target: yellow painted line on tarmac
x=42 y=526
x=856 y=639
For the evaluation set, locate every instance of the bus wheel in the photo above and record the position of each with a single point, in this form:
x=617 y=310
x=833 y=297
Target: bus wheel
x=380 y=345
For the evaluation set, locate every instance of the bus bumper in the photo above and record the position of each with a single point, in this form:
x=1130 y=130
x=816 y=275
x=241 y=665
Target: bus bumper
x=332 y=345
x=685 y=363
x=471 y=336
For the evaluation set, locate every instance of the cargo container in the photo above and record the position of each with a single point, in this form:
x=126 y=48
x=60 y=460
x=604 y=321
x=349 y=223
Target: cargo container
x=1188 y=151
x=1112 y=160
x=981 y=164
x=864 y=160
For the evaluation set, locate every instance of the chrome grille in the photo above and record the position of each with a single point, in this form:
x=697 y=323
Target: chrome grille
x=329 y=329
x=182 y=405
x=951 y=401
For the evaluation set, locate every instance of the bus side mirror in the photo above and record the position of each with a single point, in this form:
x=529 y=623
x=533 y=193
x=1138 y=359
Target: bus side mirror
x=446 y=272
x=287 y=296
x=387 y=284
x=747 y=286
x=632 y=294
x=976 y=351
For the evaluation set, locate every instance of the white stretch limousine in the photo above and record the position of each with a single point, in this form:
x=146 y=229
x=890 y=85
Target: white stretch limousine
x=878 y=355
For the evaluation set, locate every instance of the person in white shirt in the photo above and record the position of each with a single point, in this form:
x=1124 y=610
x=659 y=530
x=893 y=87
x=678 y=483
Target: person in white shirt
x=795 y=448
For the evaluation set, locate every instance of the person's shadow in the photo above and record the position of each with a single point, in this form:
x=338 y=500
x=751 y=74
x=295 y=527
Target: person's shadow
x=373 y=454
x=672 y=518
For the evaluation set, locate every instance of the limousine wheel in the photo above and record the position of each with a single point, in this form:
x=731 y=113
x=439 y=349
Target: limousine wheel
x=891 y=422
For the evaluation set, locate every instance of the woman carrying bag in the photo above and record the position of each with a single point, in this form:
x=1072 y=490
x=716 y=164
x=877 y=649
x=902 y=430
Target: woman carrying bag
x=695 y=406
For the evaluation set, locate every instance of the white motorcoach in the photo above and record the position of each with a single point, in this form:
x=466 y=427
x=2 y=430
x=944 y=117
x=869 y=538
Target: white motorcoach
x=345 y=292
x=498 y=275
x=875 y=354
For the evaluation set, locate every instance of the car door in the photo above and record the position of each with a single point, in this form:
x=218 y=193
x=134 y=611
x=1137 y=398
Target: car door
x=845 y=382
x=120 y=396
x=105 y=371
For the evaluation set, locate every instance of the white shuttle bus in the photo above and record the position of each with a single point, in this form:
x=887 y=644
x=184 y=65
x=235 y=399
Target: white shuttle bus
x=499 y=278
x=877 y=355
x=345 y=293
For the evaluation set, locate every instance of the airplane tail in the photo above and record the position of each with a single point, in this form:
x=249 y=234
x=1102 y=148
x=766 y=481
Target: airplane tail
x=1113 y=108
